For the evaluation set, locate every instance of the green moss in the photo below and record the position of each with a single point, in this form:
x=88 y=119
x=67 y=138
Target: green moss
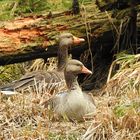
x=10 y=73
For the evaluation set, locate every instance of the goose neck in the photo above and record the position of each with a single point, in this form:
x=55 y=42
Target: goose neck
x=71 y=81
x=62 y=57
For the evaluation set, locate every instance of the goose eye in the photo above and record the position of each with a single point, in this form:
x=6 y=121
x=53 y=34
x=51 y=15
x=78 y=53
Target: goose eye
x=78 y=65
x=69 y=37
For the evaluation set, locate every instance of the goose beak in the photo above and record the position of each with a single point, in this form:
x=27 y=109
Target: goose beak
x=85 y=70
x=78 y=40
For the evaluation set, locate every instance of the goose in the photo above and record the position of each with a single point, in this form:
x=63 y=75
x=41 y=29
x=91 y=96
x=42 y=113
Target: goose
x=48 y=79
x=73 y=104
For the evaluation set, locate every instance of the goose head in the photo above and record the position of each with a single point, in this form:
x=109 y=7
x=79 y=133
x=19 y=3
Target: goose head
x=72 y=69
x=67 y=39
x=76 y=67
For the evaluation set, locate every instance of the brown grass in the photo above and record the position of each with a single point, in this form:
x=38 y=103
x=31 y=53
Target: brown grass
x=118 y=110
x=23 y=117
x=117 y=117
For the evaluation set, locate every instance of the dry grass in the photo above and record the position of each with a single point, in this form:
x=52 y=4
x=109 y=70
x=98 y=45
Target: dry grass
x=116 y=119
x=23 y=117
x=39 y=64
x=127 y=78
x=118 y=110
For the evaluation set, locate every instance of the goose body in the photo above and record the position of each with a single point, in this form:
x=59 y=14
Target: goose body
x=41 y=79
x=47 y=79
x=74 y=104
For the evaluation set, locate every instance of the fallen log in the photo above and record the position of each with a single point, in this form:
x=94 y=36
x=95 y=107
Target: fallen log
x=34 y=37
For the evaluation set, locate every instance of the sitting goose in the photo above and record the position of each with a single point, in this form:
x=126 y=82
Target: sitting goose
x=47 y=79
x=73 y=104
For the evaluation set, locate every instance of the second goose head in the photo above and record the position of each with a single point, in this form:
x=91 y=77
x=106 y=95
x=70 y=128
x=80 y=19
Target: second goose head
x=66 y=40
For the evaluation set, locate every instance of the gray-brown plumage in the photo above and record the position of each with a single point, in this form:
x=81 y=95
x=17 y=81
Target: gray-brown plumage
x=46 y=79
x=73 y=104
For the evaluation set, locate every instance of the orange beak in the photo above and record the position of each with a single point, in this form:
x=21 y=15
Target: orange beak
x=78 y=40
x=85 y=70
